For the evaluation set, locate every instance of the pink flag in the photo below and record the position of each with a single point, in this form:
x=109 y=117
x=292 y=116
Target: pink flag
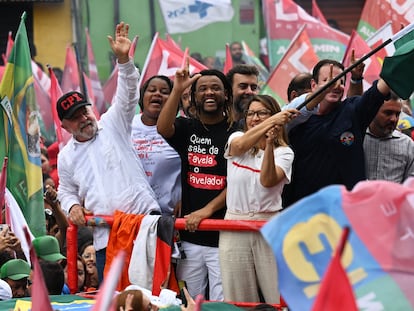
x=335 y=292
x=98 y=94
x=165 y=59
x=104 y=300
x=91 y=95
x=228 y=63
x=55 y=92
x=40 y=295
x=317 y=13
x=9 y=47
x=170 y=40
x=284 y=18
x=299 y=57
x=42 y=89
x=372 y=64
x=109 y=87
x=70 y=77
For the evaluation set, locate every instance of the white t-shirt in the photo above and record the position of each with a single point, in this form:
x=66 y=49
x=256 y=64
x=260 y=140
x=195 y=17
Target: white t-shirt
x=161 y=163
x=244 y=191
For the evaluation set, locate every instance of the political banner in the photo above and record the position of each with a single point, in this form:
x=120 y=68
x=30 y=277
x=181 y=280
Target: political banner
x=378 y=256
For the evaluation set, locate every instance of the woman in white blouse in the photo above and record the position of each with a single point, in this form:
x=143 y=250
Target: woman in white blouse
x=259 y=164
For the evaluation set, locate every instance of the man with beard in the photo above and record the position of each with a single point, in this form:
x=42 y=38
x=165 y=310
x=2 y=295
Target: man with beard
x=328 y=146
x=200 y=142
x=389 y=153
x=236 y=51
x=98 y=169
x=244 y=83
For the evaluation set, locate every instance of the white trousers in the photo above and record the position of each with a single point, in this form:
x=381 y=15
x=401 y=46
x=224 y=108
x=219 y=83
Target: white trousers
x=201 y=267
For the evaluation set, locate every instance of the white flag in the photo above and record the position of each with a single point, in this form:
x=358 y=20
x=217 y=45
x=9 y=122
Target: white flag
x=188 y=15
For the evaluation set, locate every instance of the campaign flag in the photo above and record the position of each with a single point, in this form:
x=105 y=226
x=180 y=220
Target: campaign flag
x=169 y=39
x=165 y=59
x=70 y=77
x=405 y=121
x=109 y=87
x=98 y=95
x=183 y=16
x=252 y=59
x=336 y=292
x=376 y=13
x=20 y=135
x=378 y=38
x=41 y=84
x=284 y=18
x=299 y=57
x=372 y=64
x=62 y=135
x=317 y=13
x=228 y=62
x=17 y=222
x=378 y=258
x=9 y=47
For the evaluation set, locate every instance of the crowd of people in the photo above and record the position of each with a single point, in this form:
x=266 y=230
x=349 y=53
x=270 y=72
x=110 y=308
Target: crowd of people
x=205 y=146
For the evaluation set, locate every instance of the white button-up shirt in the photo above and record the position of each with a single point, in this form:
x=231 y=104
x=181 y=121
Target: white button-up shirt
x=104 y=173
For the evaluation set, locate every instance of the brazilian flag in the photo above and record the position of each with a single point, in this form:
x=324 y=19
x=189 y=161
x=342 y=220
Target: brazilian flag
x=20 y=133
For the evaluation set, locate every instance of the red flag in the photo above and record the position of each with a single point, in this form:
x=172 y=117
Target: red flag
x=299 y=57
x=284 y=18
x=40 y=295
x=372 y=64
x=170 y=40
x=335 y=292
x=376 y=13
x=317 y=13
x=70 y=76
x=98 y=94
x=91 y=95
x=109 y=87
x=42 y=89
x=9 y=47
x=165 y=59
x=228 y=63
x=104 y=300
x=55 y=92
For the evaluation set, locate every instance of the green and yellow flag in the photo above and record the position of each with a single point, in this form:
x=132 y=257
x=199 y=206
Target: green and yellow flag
x=20 y=133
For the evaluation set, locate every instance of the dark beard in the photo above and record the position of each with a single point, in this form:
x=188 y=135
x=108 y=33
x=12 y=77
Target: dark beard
x=241 y=103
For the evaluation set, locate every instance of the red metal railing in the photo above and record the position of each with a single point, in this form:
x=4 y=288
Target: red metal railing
x=206 y=225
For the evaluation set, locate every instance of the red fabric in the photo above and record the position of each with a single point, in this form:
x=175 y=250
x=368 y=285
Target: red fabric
x=317 y=13
x=335 y=292
x=228 y=63
x=123 y=233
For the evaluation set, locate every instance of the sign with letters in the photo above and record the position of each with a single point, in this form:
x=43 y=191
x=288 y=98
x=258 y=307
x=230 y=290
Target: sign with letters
x=378 y=256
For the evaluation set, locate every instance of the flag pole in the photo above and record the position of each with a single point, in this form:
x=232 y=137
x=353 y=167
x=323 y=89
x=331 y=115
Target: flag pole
x=318 y=92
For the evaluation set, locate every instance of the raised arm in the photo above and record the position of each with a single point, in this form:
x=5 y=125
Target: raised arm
x=240 y=145
x=121 y=44
x=165 y=122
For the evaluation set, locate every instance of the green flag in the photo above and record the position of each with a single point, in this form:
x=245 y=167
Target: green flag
x=19 y=138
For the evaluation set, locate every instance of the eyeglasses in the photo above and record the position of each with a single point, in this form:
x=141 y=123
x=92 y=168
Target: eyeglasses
x=261 y=114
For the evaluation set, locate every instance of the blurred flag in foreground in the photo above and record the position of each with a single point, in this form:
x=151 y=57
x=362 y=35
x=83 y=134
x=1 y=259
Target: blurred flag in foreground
x=378 y=259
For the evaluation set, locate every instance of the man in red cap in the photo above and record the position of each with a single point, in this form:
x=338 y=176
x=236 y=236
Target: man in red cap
x=98 y=169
